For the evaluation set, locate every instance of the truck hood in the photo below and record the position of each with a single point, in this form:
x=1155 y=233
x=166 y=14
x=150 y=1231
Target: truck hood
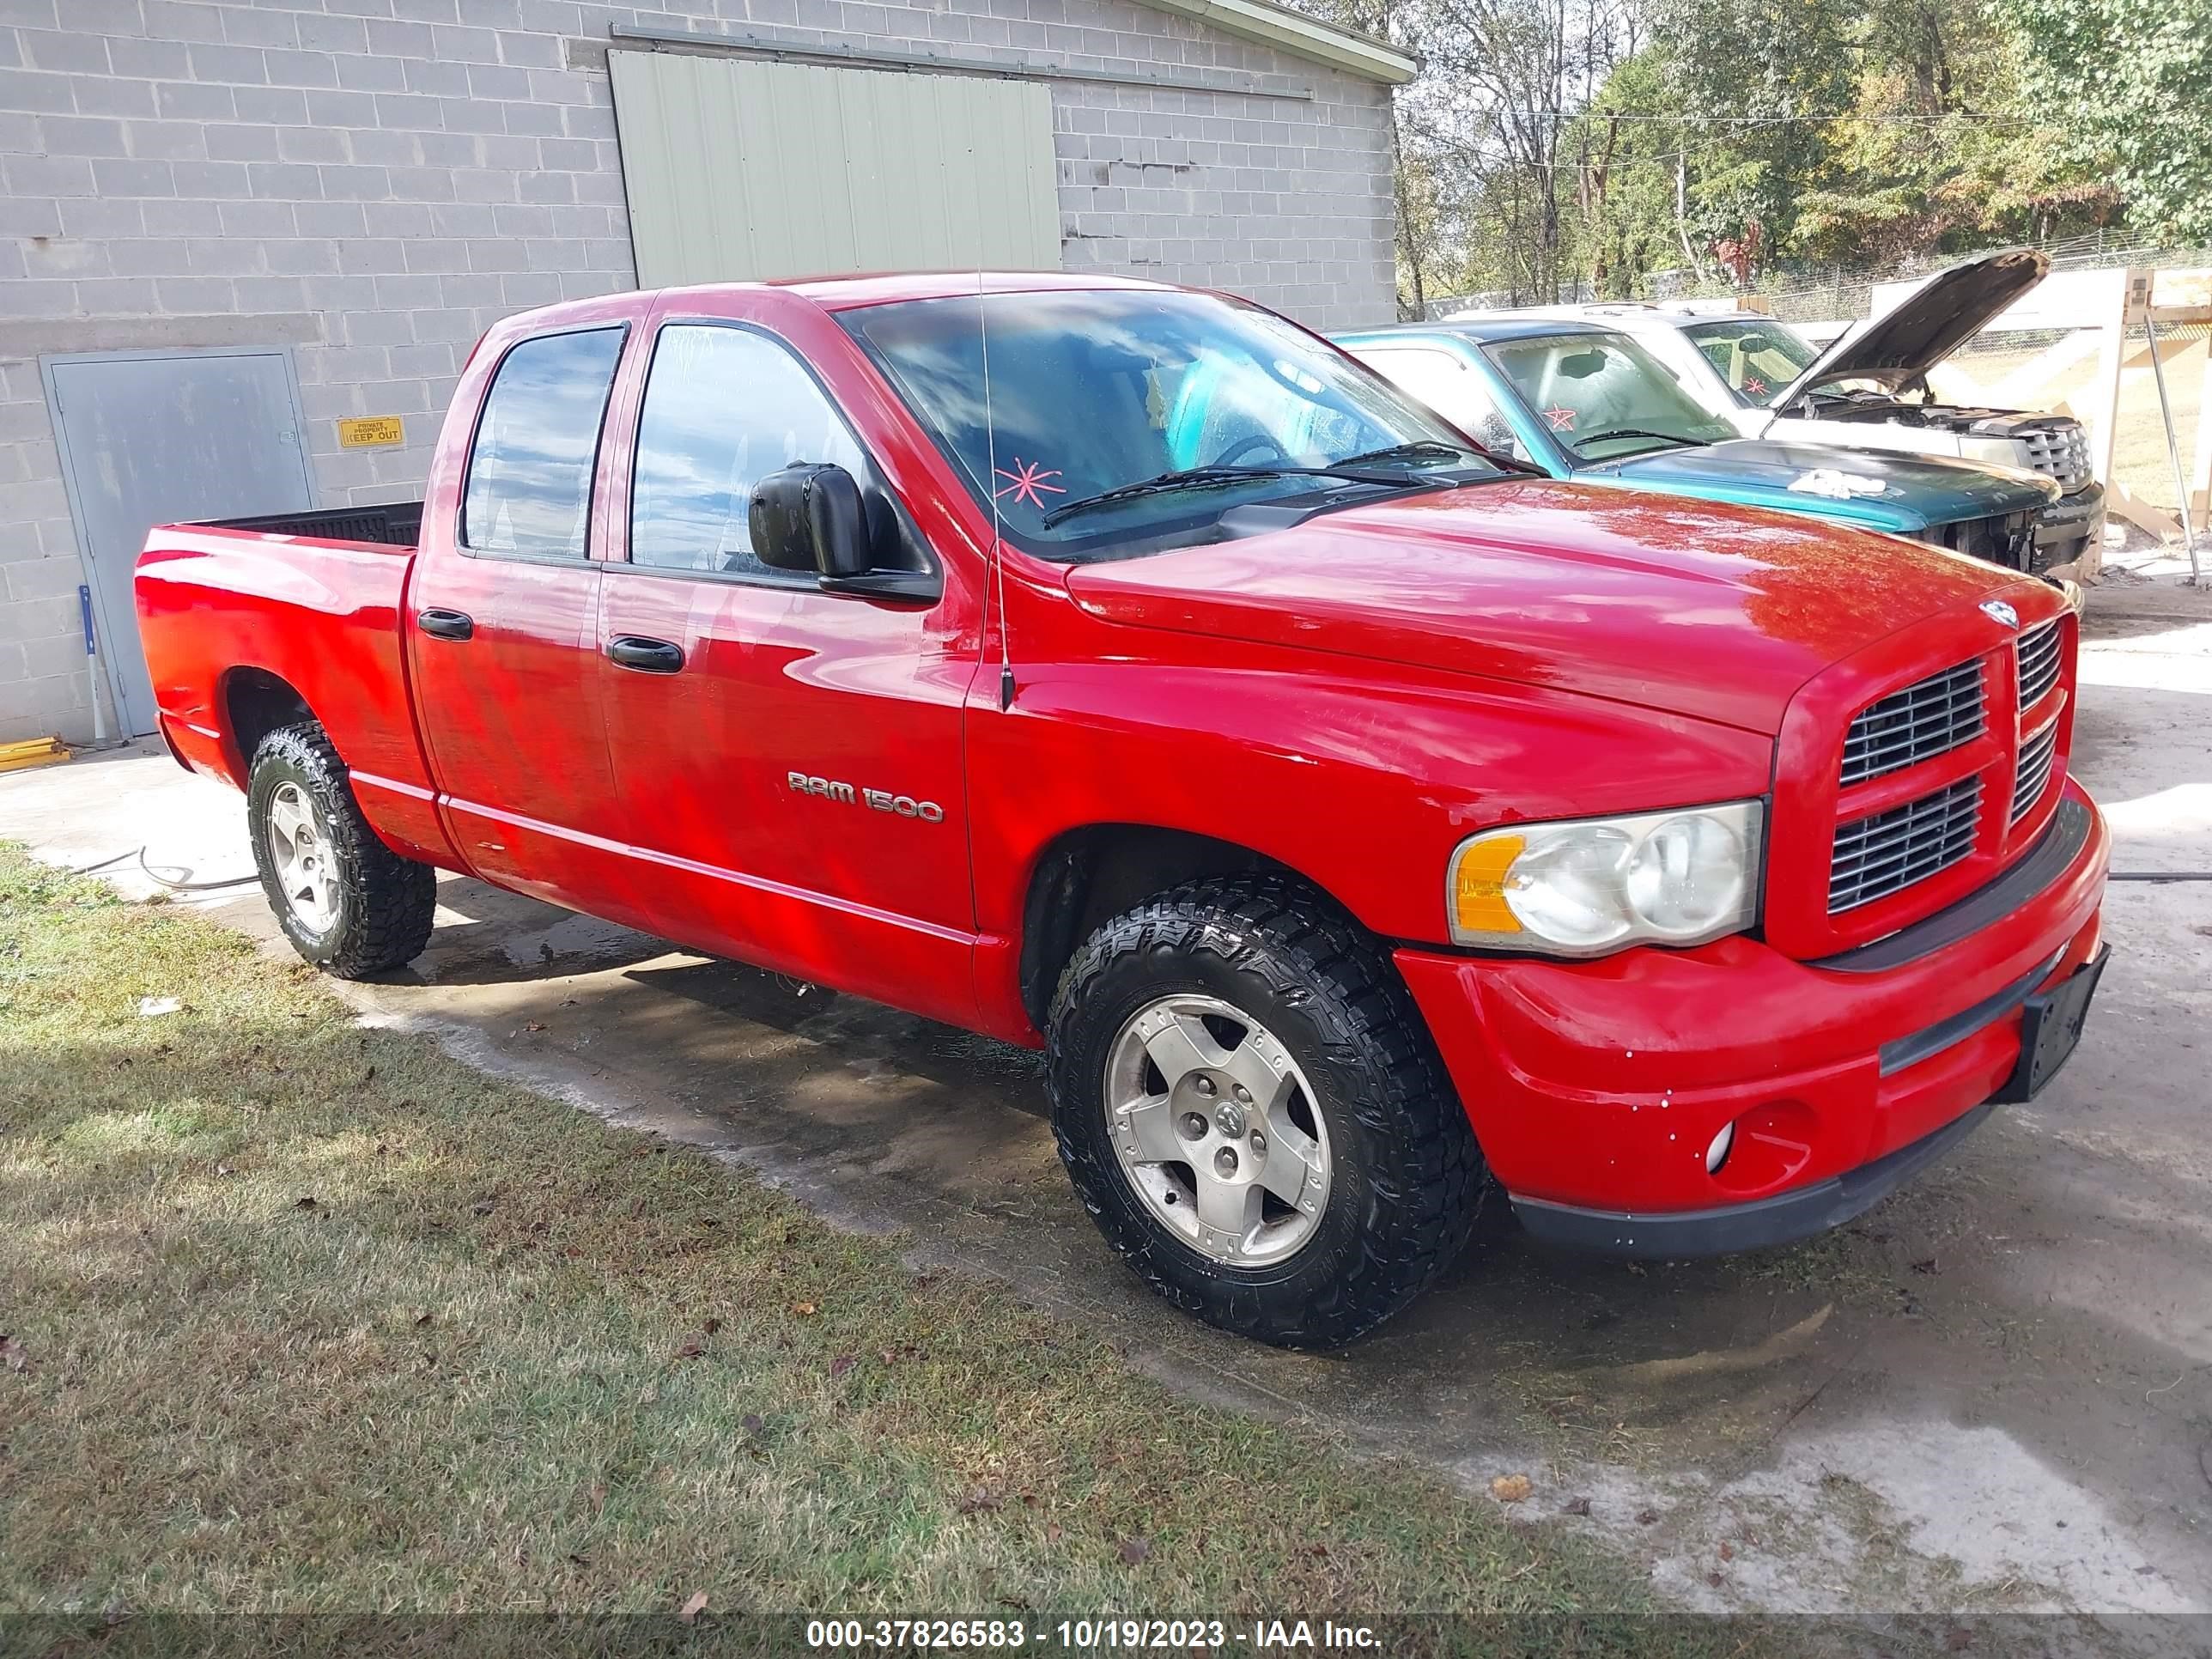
x=1720 y=613
x=1895 y=350
x=1876 y=490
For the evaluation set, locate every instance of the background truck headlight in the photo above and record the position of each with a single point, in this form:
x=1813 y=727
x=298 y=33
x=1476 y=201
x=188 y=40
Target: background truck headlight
x=1583 y=887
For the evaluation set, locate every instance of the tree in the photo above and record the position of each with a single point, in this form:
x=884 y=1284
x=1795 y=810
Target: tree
x=1491 y=112
x=2129 y=82
x=1486 y=184
x=1939 y=152
x=1423 y=227
x=1857 y=134
x=1602 y=141
x=1758 y=81
x=1633 y=199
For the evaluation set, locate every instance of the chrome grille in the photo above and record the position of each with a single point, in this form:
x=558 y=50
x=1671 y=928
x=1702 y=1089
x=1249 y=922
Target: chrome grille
x=2031 y=775
x=1876 y=856
x=1928 y=717
x=2039 y=651
x=2060 y=451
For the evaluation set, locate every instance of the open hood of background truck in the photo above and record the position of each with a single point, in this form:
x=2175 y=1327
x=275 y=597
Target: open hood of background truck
x=1895 y=350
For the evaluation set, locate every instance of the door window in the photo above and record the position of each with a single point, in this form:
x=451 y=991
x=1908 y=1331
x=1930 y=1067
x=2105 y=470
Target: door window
x=1450 y=386
x=529 y=491
x=724 y=407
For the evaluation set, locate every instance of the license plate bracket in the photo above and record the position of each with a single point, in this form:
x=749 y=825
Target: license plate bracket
x=2050 y=1027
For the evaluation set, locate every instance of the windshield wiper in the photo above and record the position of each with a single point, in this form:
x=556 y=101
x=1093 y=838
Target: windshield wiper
x=1640 y=432
x=1421 y=448
x=1213 y=477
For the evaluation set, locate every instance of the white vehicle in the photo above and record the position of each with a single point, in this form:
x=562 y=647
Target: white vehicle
x=1869 y=389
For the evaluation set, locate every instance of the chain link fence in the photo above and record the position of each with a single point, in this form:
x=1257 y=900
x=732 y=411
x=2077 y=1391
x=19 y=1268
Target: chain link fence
x=1799 y=296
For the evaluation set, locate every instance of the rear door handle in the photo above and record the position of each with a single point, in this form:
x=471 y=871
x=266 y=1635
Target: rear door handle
x=446 y=625
x=647 y=656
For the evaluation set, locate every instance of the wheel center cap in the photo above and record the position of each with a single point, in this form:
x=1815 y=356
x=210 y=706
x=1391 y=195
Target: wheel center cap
x=1229 y=1119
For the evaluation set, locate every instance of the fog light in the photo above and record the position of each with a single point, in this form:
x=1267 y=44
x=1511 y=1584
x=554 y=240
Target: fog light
x=1717 y=1154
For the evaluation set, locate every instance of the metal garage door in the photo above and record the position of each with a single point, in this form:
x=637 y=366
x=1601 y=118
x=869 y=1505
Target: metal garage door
x=738 y=169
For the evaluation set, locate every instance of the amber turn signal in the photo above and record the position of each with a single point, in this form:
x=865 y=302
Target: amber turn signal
x=1479 y=873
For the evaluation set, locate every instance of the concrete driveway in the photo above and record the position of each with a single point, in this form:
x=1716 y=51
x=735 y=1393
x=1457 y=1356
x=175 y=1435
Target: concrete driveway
x=1994 y=1392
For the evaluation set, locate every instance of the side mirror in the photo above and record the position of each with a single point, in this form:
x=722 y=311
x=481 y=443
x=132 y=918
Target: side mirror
x=810 y=518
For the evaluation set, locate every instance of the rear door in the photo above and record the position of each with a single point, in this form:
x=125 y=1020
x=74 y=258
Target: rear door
x=789 y=760
x=503 y=624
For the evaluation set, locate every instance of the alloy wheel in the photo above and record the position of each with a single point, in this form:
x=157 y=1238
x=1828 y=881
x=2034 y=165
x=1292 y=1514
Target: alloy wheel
x=300 y=850
x=1216 y=1129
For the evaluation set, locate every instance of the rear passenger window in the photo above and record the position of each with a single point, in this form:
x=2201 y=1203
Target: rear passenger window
x=530 y=475
x=724 y=407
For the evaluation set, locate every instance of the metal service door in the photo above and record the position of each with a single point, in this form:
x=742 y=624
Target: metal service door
x=151 y=438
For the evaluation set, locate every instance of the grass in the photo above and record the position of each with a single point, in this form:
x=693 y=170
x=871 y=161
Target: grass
x=309 y=1319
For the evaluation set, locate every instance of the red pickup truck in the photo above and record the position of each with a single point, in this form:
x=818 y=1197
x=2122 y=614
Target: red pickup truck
x=1354 y=819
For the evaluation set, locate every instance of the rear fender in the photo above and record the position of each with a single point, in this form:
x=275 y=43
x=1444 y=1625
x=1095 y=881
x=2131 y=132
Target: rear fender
x=318 y=620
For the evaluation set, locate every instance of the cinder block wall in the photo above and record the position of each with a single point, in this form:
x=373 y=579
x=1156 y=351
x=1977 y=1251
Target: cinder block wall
x=374 y=182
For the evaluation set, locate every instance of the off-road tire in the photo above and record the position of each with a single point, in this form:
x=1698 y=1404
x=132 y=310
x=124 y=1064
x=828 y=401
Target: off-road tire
x=387 y=901
x=1407 y=1176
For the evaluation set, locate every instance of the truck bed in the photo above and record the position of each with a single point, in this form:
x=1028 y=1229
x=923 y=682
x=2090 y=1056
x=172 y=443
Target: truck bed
x=386 y=524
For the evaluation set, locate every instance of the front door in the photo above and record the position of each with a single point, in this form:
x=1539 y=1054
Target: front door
x=502 y=621
x=790 y=760
x=149 y=438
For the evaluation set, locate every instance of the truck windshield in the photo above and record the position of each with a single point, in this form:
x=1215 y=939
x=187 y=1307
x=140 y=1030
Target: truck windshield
x=1758 y=359
x=1121 y=420
x=1602 y=397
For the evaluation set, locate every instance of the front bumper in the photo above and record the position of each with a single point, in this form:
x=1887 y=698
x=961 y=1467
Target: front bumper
x=1596 y=1088
x=1761 y=1225
x=2068 y=528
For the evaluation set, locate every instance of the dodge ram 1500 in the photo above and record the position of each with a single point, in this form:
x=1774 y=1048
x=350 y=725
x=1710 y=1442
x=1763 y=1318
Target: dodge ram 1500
x=1355 y=819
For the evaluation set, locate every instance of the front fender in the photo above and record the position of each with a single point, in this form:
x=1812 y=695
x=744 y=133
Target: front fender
x=1362 y=777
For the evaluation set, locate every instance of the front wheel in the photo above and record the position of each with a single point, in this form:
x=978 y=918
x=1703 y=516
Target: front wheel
x=1247 y=1101
x=349 y=903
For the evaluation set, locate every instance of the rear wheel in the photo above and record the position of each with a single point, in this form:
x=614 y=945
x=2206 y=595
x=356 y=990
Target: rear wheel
x=349 y=903
x=1252 y=1112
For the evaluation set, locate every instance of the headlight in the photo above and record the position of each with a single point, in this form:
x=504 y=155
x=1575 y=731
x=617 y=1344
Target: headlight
x=1591 y=885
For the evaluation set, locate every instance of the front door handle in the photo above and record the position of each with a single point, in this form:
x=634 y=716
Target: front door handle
x=647 y=656
x=446 y=625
